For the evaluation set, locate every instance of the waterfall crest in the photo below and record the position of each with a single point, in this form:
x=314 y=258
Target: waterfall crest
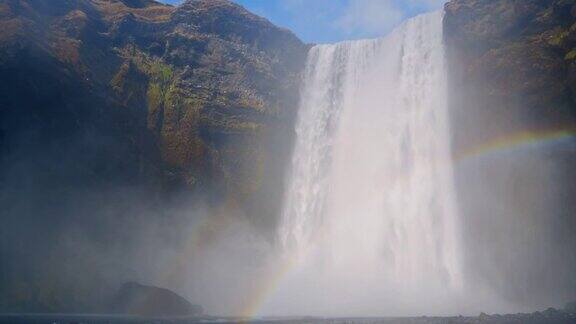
x=370 y=208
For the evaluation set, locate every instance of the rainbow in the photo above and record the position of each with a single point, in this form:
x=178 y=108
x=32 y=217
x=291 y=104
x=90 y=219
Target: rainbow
x=275 y=272
x=267 y=287
x=200 y=236
x=518 y=141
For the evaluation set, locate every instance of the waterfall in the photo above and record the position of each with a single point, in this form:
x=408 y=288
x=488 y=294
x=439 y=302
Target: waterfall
x=369 y=210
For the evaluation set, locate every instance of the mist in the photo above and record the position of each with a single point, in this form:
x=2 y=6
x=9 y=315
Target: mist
x=371 y=219
x=400 y=189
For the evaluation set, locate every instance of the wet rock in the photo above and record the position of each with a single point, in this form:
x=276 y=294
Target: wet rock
x=194 y=101
x=137 y=299
x=483 y=316
x=512 y=67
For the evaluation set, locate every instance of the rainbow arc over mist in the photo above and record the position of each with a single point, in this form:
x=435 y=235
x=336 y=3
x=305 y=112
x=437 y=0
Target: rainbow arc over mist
x=518 y=141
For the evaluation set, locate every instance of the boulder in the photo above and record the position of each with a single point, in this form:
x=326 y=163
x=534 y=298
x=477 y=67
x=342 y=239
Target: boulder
x=137 y=299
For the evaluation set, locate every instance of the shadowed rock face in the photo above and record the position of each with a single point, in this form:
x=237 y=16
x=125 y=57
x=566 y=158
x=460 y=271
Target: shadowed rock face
x=511 y=71
x=518 y=56
x=136 y=299
x=111 y=105
x=204 y=93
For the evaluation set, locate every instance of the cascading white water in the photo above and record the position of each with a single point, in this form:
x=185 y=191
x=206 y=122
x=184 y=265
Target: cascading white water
x=369 y=213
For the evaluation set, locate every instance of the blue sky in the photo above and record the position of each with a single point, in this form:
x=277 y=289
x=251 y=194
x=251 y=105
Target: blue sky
x=328 y=21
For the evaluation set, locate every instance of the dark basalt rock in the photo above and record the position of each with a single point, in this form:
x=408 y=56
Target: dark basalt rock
x=511 y=68
x=205 y=92
x=136 y=299
x=164 y=102
x=515 y=58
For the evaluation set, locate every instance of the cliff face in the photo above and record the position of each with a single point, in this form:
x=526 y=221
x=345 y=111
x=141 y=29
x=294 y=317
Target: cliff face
x=201 y=95
x=519 y=56
x=110 y=104
x=513 y=105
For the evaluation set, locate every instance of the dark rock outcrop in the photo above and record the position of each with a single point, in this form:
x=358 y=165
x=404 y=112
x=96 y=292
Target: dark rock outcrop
x=202 y=94
x=107 y=106
x=136 y=299
x=516 y=58
x=511 y=66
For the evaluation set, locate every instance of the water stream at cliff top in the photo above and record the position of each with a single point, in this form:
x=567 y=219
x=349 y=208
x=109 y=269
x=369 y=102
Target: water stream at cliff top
x=370 y=218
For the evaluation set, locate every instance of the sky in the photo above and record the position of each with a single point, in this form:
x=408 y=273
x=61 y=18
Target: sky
x=329 y=21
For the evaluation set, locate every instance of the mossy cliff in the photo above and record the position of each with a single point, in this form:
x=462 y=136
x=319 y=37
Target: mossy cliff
x=202 y=95
x=512 y=87
x=112 y=106
x=519 y=57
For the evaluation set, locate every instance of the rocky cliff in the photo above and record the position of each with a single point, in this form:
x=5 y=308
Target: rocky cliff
x=520 y=57
x=513 y=103
x=201 y=95
x=107 y=106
